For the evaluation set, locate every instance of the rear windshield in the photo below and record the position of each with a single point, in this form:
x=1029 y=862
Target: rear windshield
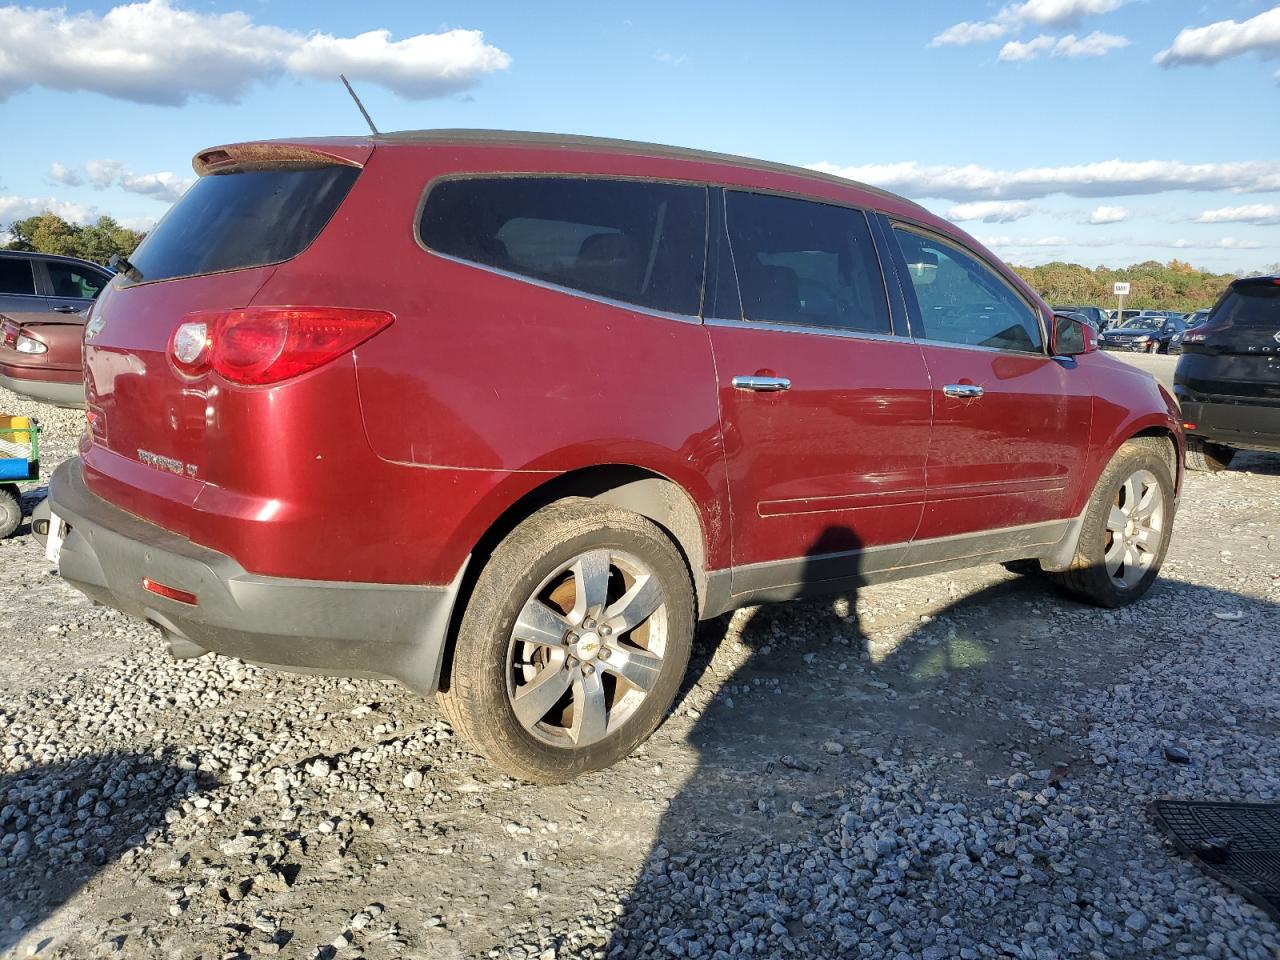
x=229 y=221
x=1249 y=307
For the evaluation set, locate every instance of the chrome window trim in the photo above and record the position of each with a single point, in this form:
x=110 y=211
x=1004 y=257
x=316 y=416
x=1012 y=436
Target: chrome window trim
x=33 y=296
x=571 y=291
x=812 y=331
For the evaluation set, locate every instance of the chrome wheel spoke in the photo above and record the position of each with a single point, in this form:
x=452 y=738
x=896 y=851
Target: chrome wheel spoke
x=638 y=667
x=1116 y=520
x=590 y=713
x=636 y=606
x=538 y=623
x=1114 y=556
x=1130 y=489
x=1148 y=539
x=539 y=695
x=1149 y=503
x=591 y=579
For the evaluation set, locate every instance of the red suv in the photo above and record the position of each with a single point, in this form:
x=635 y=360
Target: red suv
x=503 y=415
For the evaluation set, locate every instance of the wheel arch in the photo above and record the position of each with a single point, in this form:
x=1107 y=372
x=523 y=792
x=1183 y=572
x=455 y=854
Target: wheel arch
x=625 y=486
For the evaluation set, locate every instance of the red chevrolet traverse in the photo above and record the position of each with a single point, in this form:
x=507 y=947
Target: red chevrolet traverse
x=501 y=415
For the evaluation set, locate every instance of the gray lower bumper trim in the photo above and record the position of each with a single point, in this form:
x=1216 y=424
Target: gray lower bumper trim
x=58 y=394
x=314 y=625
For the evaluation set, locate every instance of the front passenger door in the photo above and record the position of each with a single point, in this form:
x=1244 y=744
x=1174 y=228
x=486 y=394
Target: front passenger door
x=72 y=287
x=1010 y=422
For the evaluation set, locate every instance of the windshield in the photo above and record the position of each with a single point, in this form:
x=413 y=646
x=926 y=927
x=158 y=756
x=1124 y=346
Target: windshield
x=1140 y=323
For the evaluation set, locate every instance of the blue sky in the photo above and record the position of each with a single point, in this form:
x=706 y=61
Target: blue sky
x=1025 y=120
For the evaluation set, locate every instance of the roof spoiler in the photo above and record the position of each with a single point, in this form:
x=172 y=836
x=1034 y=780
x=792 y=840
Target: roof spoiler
x=275 y=156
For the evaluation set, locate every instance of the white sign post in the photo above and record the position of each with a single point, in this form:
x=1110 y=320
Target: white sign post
x=1121 y=291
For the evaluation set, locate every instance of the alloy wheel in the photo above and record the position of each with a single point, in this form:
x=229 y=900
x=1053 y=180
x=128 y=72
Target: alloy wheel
x=1135 y=529
x=587 y=648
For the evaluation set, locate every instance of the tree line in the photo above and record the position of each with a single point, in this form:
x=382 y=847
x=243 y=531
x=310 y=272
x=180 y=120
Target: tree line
x=1175 y=285
x=49 y=233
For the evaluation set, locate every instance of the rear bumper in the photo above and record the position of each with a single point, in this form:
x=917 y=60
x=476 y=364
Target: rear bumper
x=46 y=391
x=1233 y=424
x=347 y=629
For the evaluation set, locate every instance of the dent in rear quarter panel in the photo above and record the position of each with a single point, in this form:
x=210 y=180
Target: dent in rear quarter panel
x=1127 y=401
x=485 y=375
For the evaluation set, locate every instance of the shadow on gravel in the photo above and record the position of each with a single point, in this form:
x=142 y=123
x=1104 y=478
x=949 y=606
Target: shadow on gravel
x=713 y=887
x=60 y=823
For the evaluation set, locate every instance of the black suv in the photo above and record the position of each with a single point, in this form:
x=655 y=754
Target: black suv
x=1228 y=378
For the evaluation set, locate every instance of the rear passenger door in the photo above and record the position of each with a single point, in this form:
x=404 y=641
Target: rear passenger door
x=1010 y=422
x=825 y=409
x=72 y=287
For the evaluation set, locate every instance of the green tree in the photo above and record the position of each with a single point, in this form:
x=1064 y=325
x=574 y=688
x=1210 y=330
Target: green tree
x=49 y=233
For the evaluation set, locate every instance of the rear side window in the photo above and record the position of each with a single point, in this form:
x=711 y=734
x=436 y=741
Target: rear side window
x=963 y=300
x=807 y=263
x=639 y=242
x=74 y=282
x=229 y=221
x=16 y=276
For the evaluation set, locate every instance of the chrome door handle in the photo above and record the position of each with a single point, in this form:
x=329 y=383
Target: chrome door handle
x=762 y=384
x=66 y=309
x=963 y=391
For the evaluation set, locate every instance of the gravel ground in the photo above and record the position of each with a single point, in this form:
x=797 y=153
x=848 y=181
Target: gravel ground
x=957 y=766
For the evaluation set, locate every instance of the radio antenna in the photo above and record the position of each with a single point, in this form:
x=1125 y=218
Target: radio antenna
x=367 y=119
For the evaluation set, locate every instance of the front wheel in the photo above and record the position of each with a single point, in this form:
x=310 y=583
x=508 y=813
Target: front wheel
x=573 y=643
x=10 y=510
x=1126 y=528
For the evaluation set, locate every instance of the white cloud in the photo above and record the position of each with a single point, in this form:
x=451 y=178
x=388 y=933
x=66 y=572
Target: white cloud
x=1258 y=214
x=1106 y=178
x=19 y=208
x=991 y=211
x=1016 y=50
x=669 y=58
x=1029 y=243
x=1109 y=215
x=1040 y=13
x=1225 y=39
x=164 y=186
x=1096 y=44
x=962 y=34
x=152 y=52
x=65 y=175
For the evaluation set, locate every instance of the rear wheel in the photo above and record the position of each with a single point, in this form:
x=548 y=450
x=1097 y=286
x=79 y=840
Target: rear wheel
x=10 y=510
x=1126 y=527
x=573 y=644
x=1208 y=457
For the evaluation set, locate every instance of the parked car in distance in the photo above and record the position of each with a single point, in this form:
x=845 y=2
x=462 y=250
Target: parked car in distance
x=593 y=391
x=1148 y=332
x=1095 y=316
x=1196 y=316
x=36 y=282
x=1228 y=378
x=40 y=356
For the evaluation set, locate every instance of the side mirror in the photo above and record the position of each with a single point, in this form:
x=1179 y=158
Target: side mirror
x=1072 y=337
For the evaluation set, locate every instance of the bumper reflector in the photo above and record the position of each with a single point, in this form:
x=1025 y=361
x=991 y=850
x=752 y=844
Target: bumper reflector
x=1188 y=425
x=169 y=593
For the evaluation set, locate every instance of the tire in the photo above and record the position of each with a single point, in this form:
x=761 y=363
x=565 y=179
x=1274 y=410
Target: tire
x=1208 y=457
x=1101 y=571
x=10 y=510
x=529 y=588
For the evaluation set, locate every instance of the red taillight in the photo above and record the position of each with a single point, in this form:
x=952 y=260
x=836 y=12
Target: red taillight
x=169 y=593
x=1188 y=425
x=263 y=345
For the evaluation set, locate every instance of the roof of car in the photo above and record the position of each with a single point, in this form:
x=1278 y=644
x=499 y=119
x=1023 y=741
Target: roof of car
x=607 y=144
x=37 y=255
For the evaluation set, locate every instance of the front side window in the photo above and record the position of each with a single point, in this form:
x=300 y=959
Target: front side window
x=74 y=282
x=803 y=262
x=962 y=300
x=639 y=242
x=16 y=276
